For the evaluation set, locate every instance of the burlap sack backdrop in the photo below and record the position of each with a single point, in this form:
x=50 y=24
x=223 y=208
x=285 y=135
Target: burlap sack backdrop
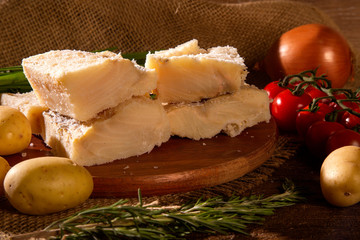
x=30 y=27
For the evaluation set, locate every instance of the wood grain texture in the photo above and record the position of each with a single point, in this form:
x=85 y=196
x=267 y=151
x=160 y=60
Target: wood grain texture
x=179 y=165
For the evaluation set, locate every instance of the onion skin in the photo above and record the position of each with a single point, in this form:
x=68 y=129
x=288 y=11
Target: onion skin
x=309 y=47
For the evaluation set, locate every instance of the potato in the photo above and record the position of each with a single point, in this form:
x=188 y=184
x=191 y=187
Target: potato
x=46 y=185
x=340 y=176
x=15 y=131
x=4 y=168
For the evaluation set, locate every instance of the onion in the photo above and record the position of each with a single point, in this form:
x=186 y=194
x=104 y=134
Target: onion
x=309 y=47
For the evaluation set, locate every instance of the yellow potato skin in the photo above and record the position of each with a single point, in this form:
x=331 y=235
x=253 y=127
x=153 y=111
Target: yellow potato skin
x=46 y=185
x=4 y=168
x=15 y=131
x=340 y=176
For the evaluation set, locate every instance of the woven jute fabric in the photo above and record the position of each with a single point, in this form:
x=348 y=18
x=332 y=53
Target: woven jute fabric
x=29 y=27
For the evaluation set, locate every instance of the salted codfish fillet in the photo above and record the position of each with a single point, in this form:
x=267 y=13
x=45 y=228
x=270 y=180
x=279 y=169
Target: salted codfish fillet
x=29 y=105
x=188 y=73
x=132 y=128
x=230 y=113
x=81 y=84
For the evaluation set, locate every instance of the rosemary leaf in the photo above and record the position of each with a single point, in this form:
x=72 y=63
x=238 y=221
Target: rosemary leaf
x=214 y=215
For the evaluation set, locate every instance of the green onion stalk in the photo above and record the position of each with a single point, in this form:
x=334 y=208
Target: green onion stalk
x=13 y=79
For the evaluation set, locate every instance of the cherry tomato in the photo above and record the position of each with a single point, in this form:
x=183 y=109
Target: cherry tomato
x=285 y=108
x=352 y=105
x=305 y=118
x=273 y=89
x=350 y=120
x=340 y=96
x=337 y=110
x=342 y=138
x=325 y=108
x=349 y=104
x=334 y=106
x=317 y=136
x=313 y=92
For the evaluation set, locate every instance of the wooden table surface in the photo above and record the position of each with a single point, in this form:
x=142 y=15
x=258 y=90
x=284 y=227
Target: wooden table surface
x=314 y=219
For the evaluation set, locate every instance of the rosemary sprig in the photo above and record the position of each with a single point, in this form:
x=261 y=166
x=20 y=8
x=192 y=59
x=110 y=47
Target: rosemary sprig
x=13 y=80
x=214 y=215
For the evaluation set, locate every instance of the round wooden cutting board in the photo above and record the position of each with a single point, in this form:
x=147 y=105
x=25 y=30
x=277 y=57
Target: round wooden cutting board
x=178 y=165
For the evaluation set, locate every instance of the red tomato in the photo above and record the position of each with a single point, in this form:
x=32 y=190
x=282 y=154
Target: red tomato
x=273 y=89
x=349 y=104
x=342 y=115
x=325 y=108
x=350 y=120
x=313 y=92
x=341 y=138
x=334 y=106
x=352 y=105
x=339 y=113
x=317 y=136
x=305 y=119
x=340 y=95
x=285 y=108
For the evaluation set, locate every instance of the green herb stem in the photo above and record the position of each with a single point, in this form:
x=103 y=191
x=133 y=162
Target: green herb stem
x=214 y=215
x=309 y=78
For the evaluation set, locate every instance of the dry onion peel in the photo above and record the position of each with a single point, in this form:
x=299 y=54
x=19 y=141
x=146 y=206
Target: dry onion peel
x=311 y=46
